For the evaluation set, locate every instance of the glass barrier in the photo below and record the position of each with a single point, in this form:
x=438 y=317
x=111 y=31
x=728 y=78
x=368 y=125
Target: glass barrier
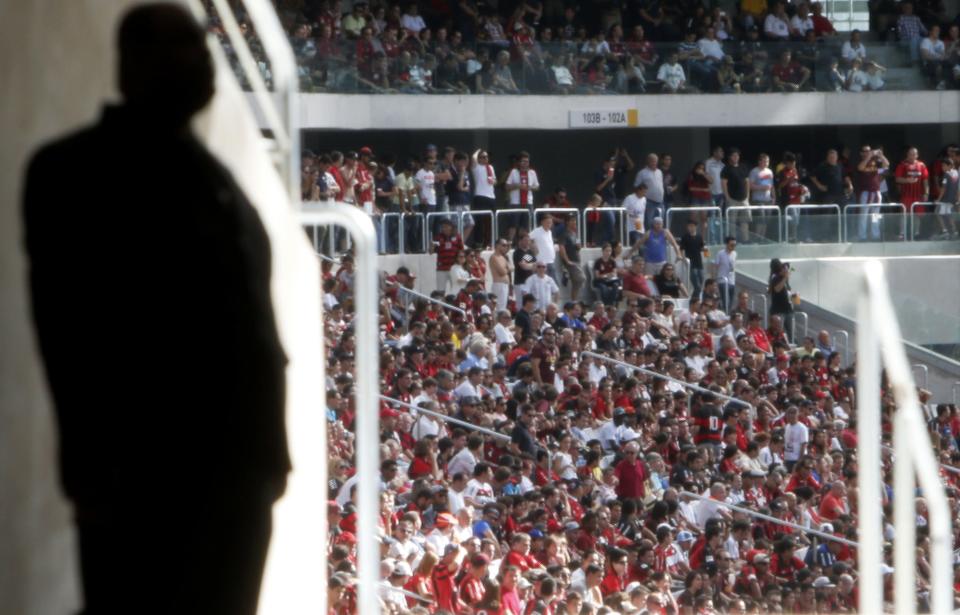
x=537 y=63
x=877 y=222
x=812 y=224
x=604 y=224
x=709 y=218
x=934 y=222
x=754 y=224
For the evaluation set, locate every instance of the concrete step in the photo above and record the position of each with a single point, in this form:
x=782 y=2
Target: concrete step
x=905 y=79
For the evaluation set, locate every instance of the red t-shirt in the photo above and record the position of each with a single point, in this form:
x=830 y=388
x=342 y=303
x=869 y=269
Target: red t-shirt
x=631 y=475
x=790 y=73
x=445 y=588
x=832 y=507
x=911 y=193
x=471 y=590
x=709 y=419
x=611 y=584
x=521 y=561
x=447 y=251
x=636 y=283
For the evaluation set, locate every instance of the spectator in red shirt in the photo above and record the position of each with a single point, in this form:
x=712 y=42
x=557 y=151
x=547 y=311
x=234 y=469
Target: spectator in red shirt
x=472 y=588
x=913 y=179
x=444 y=580
x=821 y=25
x=631 y=473
x=784 y=564
x=635 y=280
x=789 y=76
x=519 y=554
x=615 y=580
x=835 y=503
x=447 y=244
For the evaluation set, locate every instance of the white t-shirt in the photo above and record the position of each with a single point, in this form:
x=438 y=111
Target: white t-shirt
x=801 y=24
x=934 y=49
x=710 y=48
x=636 y=207
x=414 y=23
x=726 y=266
x=858 y=80
x=504 y=335
x=481 y=180
x=480 y=493
x=464 y=461
x=850 y=52
x=543 y=239
x=775 y=27
x=794 y=437
x=543 y=289
x=761 y=177
x=714 y=168
x=425 y=181
x=672 y=75
x=514 y=178
x=653 y=180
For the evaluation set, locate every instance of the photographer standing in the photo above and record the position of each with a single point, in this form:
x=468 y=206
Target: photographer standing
x=779 y=289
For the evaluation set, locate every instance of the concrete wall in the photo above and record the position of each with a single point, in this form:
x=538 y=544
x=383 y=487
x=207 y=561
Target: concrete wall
x=451 y=112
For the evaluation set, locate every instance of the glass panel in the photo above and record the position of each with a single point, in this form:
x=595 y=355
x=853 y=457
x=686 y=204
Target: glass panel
x=812 y=225
x=709 y=219
x=886 y=222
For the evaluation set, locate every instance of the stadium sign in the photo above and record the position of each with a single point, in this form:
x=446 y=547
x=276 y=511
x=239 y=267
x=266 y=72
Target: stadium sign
x=604 y=118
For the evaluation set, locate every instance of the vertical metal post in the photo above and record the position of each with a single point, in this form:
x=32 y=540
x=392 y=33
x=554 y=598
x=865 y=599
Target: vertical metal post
x=360 y=227
x=869 y=552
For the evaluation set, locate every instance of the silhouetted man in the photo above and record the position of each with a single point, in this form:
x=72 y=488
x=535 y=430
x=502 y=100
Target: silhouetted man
x=150 y=280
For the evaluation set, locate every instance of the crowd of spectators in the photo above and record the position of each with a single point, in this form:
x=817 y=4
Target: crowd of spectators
x=578 y=485
x=470 y=186
x=529 y=46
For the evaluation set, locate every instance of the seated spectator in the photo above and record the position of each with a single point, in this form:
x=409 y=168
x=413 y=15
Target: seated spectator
x=821 y=25
x=933 y=55
x=788 y=75
x=635 y=280
x=776 y=26
x=672 y=77
x=853 y=49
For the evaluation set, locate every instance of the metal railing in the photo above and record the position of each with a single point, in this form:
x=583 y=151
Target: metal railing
x=923 y=369
x=955 y=393
x=748 y=213
x=864 y=218
x=846 y=344
x=797 y=212
x=588 y=227
x=713 y=220
x=763 y=313
x=878 y=337
x=500 y=213
x=793 y=326
x=759 y=515
x=913 y=215
x=683 y=383
x=367 y=289
x=447 y=419
x=403 y=291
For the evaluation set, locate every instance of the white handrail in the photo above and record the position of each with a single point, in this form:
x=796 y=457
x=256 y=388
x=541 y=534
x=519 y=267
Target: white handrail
x=846 y=344
x=880 y=330
x=683 y=383
x=447 y=419
x=759 y=515
x=367 y=290
x=415 y=293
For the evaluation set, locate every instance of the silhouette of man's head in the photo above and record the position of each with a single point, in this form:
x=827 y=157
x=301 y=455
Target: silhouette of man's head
x=165 y=66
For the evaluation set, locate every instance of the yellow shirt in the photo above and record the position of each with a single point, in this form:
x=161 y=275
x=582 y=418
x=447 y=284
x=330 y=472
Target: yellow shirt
x=753 y=7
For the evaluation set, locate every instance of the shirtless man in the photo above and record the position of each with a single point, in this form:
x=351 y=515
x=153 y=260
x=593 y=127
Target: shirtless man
x=501 y=270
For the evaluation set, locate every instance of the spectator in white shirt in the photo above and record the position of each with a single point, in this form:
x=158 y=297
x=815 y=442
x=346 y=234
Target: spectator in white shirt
x=542 y=287
x=411 y=21
x=853 y=48
x=776 y=26
x=672 y=76
x=466 y=460
x=543 y=245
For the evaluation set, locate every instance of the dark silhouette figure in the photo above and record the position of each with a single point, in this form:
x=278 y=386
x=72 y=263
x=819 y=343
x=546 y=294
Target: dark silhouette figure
x=150 y=281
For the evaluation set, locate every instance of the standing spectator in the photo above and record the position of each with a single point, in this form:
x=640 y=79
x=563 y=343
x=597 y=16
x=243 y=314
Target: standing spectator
x=735 y=182
x=654 y=244
x=761 y=186
x=447 y=245
x=910 y=30
x=949 y=199
x=521 y=183
x=569 y=251
x=500 y=269
x=779 y=290
x=833 y=185
x=631 y=473
x=691 y=243
x=789 y=189
x=635 y=206
x=606 y=180
x=725 y=265
x=913 y=181
x=652 y=176
x=459 y=189
x=870 y=175
x=425 y=180
x=484 y=195
x=542 y=286
x=795 y=438
x=543 y=245
x=714 y=168
x=669 y=179
x=524 y=260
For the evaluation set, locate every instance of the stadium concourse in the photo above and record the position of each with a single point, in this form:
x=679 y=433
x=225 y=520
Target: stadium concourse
x=649 y=452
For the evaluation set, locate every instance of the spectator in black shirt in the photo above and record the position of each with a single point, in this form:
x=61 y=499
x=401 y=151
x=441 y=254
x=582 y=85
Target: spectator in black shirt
x=521 y=439
x=692 y=245
x=734 y=180
x=522 y=319
x=524 y=263
x=833 y=186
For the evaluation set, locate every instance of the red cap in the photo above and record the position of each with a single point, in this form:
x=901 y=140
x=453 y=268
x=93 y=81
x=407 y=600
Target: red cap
x=347 y=537
x=388 y=412
x=445 y=520
x=366 y=150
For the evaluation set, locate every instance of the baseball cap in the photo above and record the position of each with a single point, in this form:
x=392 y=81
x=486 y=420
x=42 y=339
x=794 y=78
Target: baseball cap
x=387 y=412
x=366 y=150
x=820 y=582
x=402 y=569
x=445 y=520
x=761 y=558
x=684 y=536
